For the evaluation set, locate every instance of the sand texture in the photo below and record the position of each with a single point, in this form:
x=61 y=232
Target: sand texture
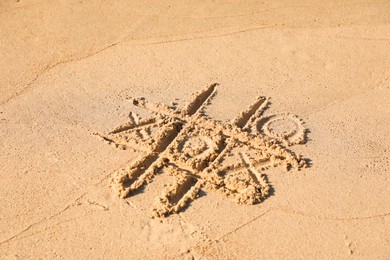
x=194 y=130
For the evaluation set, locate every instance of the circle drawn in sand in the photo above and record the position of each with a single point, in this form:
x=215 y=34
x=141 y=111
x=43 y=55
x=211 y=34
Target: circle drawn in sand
x=196 y=146
x=286 y=128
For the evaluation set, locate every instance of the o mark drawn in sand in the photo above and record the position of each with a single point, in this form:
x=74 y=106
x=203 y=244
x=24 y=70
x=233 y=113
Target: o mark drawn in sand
x=202 y=153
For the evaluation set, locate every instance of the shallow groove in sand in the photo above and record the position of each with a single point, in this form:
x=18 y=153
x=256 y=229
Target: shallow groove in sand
x=202 y=153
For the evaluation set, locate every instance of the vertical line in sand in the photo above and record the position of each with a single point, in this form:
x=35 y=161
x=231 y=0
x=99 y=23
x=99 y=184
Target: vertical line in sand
x=242 y=121
x=198 y=100
x=248 y=115
x=145 y=167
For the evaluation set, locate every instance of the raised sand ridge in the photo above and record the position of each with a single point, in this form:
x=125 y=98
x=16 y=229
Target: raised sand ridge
x=202 y=153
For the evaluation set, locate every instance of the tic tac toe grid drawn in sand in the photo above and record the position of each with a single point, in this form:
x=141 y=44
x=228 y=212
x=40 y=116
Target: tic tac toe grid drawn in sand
x=202 y=153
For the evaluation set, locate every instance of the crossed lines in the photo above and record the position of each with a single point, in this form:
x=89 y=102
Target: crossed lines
x=200 y=152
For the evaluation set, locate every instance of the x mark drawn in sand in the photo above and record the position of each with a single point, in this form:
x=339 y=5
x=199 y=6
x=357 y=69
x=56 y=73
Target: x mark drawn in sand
x=202 y=153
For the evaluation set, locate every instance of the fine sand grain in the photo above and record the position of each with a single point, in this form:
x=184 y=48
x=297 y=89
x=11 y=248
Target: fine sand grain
x=196 y=129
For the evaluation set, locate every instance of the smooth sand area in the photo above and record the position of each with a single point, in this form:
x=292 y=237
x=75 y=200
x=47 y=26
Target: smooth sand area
x=115 y=143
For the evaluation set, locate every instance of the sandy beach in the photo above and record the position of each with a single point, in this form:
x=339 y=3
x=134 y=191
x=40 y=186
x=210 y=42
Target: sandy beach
x=194 y=129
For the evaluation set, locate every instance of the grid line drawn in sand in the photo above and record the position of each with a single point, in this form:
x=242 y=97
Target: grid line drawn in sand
x=203 y=153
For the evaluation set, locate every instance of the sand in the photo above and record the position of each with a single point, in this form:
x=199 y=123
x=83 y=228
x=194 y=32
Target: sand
x=195 y=130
